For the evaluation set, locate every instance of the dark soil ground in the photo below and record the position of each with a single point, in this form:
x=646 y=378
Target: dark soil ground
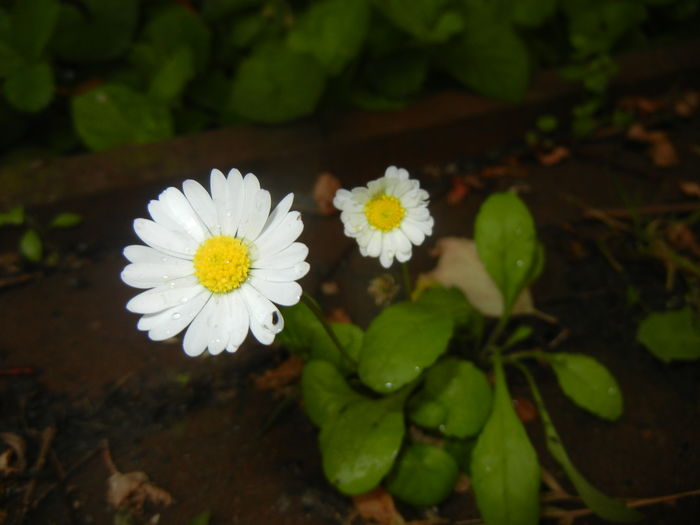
x=71 y=359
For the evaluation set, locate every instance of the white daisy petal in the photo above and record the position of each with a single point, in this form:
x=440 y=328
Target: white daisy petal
x=203 y=205
x=282 y=293
x=168 y=323
x=144 y=275
x=374 y=246
x=178 y=291
x=167 y=241
x=276 y=239
x=214 y=264
x=291 y=255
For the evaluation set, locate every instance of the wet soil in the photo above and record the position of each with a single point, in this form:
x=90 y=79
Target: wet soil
x=71 y=358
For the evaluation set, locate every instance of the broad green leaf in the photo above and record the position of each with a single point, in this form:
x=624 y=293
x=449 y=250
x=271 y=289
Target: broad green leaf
x=65 y=220
x=671 y=335
x=175 y=27
x=243 y=32
x=30 y=88
x=398 y=75
x=169 y=81
x=32 y=24
x=463 y=393
x=461 y=450
x=520 y=334
x=325 y=391
x=504 y=467
x=299 y=325
x=214 y=10
x=427 y=20
x=276 y=84
x=453 y=303
x=490 y=58
x=359 y=446
x=598 y=502
x=211 y=91
x=588 y=383
x=112 y=114
x=30 y=245
x=95 y=30
x=14 y=216
x=203 y=518
x=507 y=245
x=400 y=342
x=424 y=476
x=10 y=59
x=332 y=31
x=531 y=13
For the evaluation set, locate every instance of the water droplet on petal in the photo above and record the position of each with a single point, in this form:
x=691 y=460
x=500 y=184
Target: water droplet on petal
x=176 y=316
x=183 y=300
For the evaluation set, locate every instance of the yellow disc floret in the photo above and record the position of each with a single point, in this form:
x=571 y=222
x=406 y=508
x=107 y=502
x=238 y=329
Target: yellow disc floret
x=222 y=263
x=384 y=212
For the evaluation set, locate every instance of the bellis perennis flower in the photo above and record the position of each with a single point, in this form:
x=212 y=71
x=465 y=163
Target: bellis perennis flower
x=387 y=217
x=216 y=263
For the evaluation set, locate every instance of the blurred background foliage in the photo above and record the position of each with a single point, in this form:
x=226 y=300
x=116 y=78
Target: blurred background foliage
x=94 y=74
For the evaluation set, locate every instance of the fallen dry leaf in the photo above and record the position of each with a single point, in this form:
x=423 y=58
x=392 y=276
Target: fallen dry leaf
x=383 y=289
x=644 y=105
x=280 y=377
x=553 y=156
x=458 y=191
x=510 y=167
x=682 y=237
x=338 y=315
x=330 y=288
x=687 y=104
x=661 y=150
x=133 y=490
x=525 y=410
x=325 y=187
x=459 y=265
x=13 y=460
x=692 y=189
x=463 y=484
x=378 y=507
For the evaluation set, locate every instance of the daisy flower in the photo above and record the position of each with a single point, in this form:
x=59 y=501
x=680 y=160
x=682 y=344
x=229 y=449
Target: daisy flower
x=216 y=263
x=387 y=217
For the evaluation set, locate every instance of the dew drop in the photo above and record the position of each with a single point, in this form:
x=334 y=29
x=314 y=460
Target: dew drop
x=183 y=300
x=487 y=468
x=519 y=263
x=388 y=385
x=176 y=315
x=166 y=277
x=612 y=390
x=163 y=259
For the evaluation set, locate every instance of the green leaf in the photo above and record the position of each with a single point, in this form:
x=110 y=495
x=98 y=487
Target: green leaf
x=10 y=60
x=398 y=75
x=461 y=451
x=507 y=245
x=30 y=246
x=359 y=446
x=214 y=10
x=453 y=303
x=65 y=220
x=203 y=518
x=112 y=114
x=520 y=334
x=505 y=471
x=332 y=31
x=14 y=216
x=172 y=76
x=400 y=342
x=460 y=392
x=671 y=335
x=276 y=84
x=32 y=24
x=424 y=476
x=174 y=28
x=430 y=21
x=588 y=383
x=95 y=30
x=325 y=391
x=30 y=88
x=547 y=123
x=598 y=502
x=531 y=13
x=490 y=58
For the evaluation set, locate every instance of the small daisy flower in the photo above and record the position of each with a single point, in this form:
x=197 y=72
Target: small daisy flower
x=216 y=263
x=387 y=217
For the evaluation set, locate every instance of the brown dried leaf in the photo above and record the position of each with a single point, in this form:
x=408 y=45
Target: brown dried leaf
x=525 y=410
x=330 y=288
x=692 y=189
x=13 y=460
x=458 y=192
x=554 y=156
x=133 y=490
x=644 y=105
x=682 y=237
x=463 y=484
x=687 y=104
x=338 y=315
x=325 y=187
x=662 y=152
x=510 y=167
x=283 y=375
x=378 y=507
x=459 y=265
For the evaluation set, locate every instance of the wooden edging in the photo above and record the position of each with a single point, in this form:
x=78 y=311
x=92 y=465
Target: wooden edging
x=479 y=121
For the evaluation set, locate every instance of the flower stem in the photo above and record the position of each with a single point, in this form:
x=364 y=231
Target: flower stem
x=313 y=306
x=405 y=271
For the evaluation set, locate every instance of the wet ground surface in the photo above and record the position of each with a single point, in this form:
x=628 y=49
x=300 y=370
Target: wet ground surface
x=72 y=360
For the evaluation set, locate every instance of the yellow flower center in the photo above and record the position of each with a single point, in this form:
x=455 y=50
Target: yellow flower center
x=384 y=212
x=221 y=263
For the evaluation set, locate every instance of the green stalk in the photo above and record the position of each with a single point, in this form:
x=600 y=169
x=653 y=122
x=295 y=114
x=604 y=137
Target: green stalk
x=309 y=301
x=405 y=271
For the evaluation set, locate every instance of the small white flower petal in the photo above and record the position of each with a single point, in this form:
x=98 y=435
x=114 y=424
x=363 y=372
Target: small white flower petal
x=265 y=319
x=341 y=199
x=279 y=213
x=374 y=246
x=247 y=189
x=168 y=323
x=183 y=214
x=160 y=214
x=170 y=242
x=138 y=253
x=239 y=321
x=203 y=205
x=291 y=255
x=145 y=275
x=196 y=337
x=178 y=291
x=253 y=223
x=274 y=240
x=414 y=234
x=292 y=273
x=282 y=293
